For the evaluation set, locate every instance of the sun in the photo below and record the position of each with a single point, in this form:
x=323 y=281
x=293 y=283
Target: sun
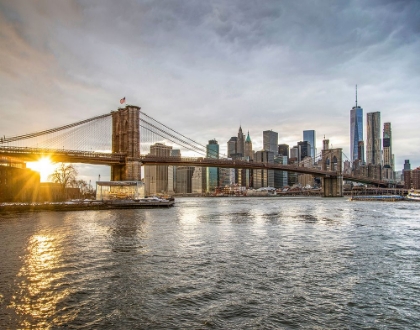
x=44 y=166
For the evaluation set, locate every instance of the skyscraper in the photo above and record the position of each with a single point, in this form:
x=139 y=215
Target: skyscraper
x=240 y=142
x=283 y=150
x=388 y=156
x=310 y=136
x=373 y=145
x=264 y=178
x=356 y=131
x=231 y=146
x=407 y=174
x=301 y=150
x=270 y=141
x=212 y=177
x=156 y=176
x=248 y=148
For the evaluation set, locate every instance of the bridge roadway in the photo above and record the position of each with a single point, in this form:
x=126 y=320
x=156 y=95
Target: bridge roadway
x=63 y=155
x=101 y=158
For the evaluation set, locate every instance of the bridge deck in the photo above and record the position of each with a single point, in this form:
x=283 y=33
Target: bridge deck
x=100 y=158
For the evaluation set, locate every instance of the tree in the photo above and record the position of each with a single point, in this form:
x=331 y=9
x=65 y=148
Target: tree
x=65 y=175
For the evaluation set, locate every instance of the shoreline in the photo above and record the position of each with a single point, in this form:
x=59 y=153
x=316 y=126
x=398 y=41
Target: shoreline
x=84 y=206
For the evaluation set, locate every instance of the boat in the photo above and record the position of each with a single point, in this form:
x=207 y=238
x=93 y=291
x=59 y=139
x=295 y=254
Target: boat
x=413 y=195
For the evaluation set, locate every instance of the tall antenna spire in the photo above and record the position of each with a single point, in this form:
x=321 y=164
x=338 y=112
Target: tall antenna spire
x=356 y=96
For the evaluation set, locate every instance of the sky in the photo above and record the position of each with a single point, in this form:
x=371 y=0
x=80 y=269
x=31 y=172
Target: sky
x=206 y=67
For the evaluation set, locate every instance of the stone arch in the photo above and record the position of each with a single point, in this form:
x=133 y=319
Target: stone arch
x=327 y=162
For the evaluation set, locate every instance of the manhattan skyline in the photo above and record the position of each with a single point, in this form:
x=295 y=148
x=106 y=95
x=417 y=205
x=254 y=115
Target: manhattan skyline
x=207 y=68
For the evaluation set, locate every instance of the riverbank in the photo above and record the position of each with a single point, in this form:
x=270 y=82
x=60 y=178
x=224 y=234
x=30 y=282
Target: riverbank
x=86 y=205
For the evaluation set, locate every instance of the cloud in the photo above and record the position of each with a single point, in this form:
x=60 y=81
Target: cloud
x=204 y=68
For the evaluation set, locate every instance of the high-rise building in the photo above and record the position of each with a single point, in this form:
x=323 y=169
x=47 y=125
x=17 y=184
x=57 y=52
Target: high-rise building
x=248 y=154
x=361 y=152
x=310 y=136
x=294 y=154
x=198 y=180
x=240 y=144
x=264 y=178
x=245 y=175
x=270 y=141
x=172 y=172
x=226 y=176
x=231 y=146
x=283 y=150
x=387 y=149
x=373 y=139
x=415 y=178
x=356 y=131
x=407 y=174
x=301 y=150
x=212 y=177
x=184 y=179
x=280 y=177
x=156 y=176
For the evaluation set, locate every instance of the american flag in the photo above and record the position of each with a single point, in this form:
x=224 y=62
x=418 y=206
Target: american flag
x=122 y=100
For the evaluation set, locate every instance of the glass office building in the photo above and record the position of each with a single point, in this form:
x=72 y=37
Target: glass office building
x=212 y=177
x=309 y=135
x=356 y=132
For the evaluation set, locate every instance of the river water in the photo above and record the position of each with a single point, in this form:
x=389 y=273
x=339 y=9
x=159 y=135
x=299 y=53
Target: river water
x=230 y=263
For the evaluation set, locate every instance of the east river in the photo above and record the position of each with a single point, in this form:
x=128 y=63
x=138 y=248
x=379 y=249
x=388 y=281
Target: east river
x=228 y=263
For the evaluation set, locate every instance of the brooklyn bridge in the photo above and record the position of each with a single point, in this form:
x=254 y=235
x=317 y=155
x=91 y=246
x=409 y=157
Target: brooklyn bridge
x=121 y=139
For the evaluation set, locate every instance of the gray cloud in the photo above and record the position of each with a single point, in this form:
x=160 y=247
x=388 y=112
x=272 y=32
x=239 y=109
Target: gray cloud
x=204 y=68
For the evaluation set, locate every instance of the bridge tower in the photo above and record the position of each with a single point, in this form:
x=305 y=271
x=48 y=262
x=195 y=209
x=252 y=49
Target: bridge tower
x=332 y=161
x=126 y=139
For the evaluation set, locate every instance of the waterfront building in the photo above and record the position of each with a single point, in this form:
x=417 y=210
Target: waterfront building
x=270 y=141
x=212 y=176
x=232 y=147
x=226 y=177
x=17 y=183
x=156 y=176
x=356 y=131
x=280 y=177
x=172 y=171
x=283 y=150
x=407 y=174
x=198 y=180
x=263 y=178
x=310 y=137
x=415 y=178
x=388 y=157
x=184 y=179
x=373 y=139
